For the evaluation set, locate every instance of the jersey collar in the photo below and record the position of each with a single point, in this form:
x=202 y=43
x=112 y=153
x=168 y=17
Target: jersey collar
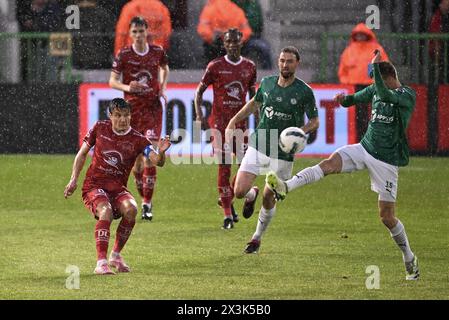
x=231 y=62
x=147 y=48
x=124 y=133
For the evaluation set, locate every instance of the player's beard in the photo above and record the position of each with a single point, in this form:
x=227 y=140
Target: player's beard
x=287 y=74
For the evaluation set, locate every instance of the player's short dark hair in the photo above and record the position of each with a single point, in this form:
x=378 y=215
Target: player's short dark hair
x=292 y=50
x=387 y=70
x=138 y=22
x=118 y=103
x=233 y=31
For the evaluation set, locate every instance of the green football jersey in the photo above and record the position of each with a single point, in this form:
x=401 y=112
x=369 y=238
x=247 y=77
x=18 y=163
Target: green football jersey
x=281 y=108
x=386 y=139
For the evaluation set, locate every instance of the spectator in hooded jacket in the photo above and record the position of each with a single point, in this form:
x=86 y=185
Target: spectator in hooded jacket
x=217 y=17
x=353 y=68
x=155 y=13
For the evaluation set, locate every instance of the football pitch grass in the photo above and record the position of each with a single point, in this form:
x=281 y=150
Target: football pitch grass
x=318 y=246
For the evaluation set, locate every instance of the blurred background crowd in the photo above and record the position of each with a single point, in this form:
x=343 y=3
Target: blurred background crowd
x=190 y=32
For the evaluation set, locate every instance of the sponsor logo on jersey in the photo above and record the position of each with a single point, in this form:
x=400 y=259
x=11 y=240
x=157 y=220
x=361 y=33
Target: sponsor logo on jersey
x=293 y=101
x=224 y=72
x=143 y=77
x=234 y=89
x=375 y=117
x=269 y=112
x=136 y=63
x=112 y=158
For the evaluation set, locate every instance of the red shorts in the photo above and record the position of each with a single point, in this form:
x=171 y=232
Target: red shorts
x=94 y=197
x=147 y=119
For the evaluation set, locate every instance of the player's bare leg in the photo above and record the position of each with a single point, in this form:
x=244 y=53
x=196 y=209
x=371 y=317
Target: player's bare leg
x=102 y=233
x=243 y=188
x=266 y=214
x=397 y=231
x=128 y=209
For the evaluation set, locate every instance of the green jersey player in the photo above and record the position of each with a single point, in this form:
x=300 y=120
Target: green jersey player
x=282 y=102
x=382 y=150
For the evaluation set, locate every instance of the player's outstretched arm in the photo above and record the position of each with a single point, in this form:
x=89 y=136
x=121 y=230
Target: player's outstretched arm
x=384 y=94
x=250 y=107
x=157 y=154
x=78 y=165
x=312 y=125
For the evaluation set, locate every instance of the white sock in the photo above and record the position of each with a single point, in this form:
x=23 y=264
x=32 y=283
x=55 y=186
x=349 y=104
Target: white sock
x=305 y=176
x=102 y=262
x=251 y=194
x=400 y=237
x=115 y=254
x=265 y=216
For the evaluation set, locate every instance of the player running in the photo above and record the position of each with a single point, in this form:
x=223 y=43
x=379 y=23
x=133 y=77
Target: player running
x=283 y=100
x=144 y=69
x=232 y=77
x=382 y=149
x=104 y=191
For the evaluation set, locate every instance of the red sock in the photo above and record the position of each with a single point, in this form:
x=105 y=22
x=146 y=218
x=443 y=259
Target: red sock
x=149 y=180
x=124 y=230
x=224 y=188
x=139 y=182
x=102 y=238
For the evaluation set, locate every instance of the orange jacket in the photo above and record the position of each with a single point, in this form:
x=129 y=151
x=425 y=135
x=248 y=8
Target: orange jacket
x=157 y=16
x=354 y=61
x=220 y=15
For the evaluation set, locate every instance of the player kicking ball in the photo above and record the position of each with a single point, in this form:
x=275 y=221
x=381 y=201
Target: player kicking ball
x=104 y=192
x=382 y=150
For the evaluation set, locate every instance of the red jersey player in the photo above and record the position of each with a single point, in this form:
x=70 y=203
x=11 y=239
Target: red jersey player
x=104 y=192
x=232 y=77
x=144 y=72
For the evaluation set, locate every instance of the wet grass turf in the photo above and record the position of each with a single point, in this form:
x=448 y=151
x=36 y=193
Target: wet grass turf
x=318 y=246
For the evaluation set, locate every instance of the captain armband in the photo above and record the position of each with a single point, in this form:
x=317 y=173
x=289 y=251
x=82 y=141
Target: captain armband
x=148 y=149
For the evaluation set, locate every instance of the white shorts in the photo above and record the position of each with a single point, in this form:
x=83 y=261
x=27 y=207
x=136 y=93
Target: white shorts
x=384 y=176
x=257 y=163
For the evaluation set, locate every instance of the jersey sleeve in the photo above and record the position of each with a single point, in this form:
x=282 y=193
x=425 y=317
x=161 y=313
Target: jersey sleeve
x=310 y=104
x=164 y=58
x=208 y=77
x=363 y=96
x=259 y=93
x=117 y=64
x=91 y=136
x=398 y=97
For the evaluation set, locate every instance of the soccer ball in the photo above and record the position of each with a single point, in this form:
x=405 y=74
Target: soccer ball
x=292 y=140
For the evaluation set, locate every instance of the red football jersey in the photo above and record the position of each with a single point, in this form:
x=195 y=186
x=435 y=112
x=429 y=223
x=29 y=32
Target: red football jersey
x=113 y=158
x=231 y=82
x=141 y=67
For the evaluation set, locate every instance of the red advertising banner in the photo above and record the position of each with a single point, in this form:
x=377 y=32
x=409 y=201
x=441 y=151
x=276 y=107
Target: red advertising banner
x=418 y=127
x=443 y=118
